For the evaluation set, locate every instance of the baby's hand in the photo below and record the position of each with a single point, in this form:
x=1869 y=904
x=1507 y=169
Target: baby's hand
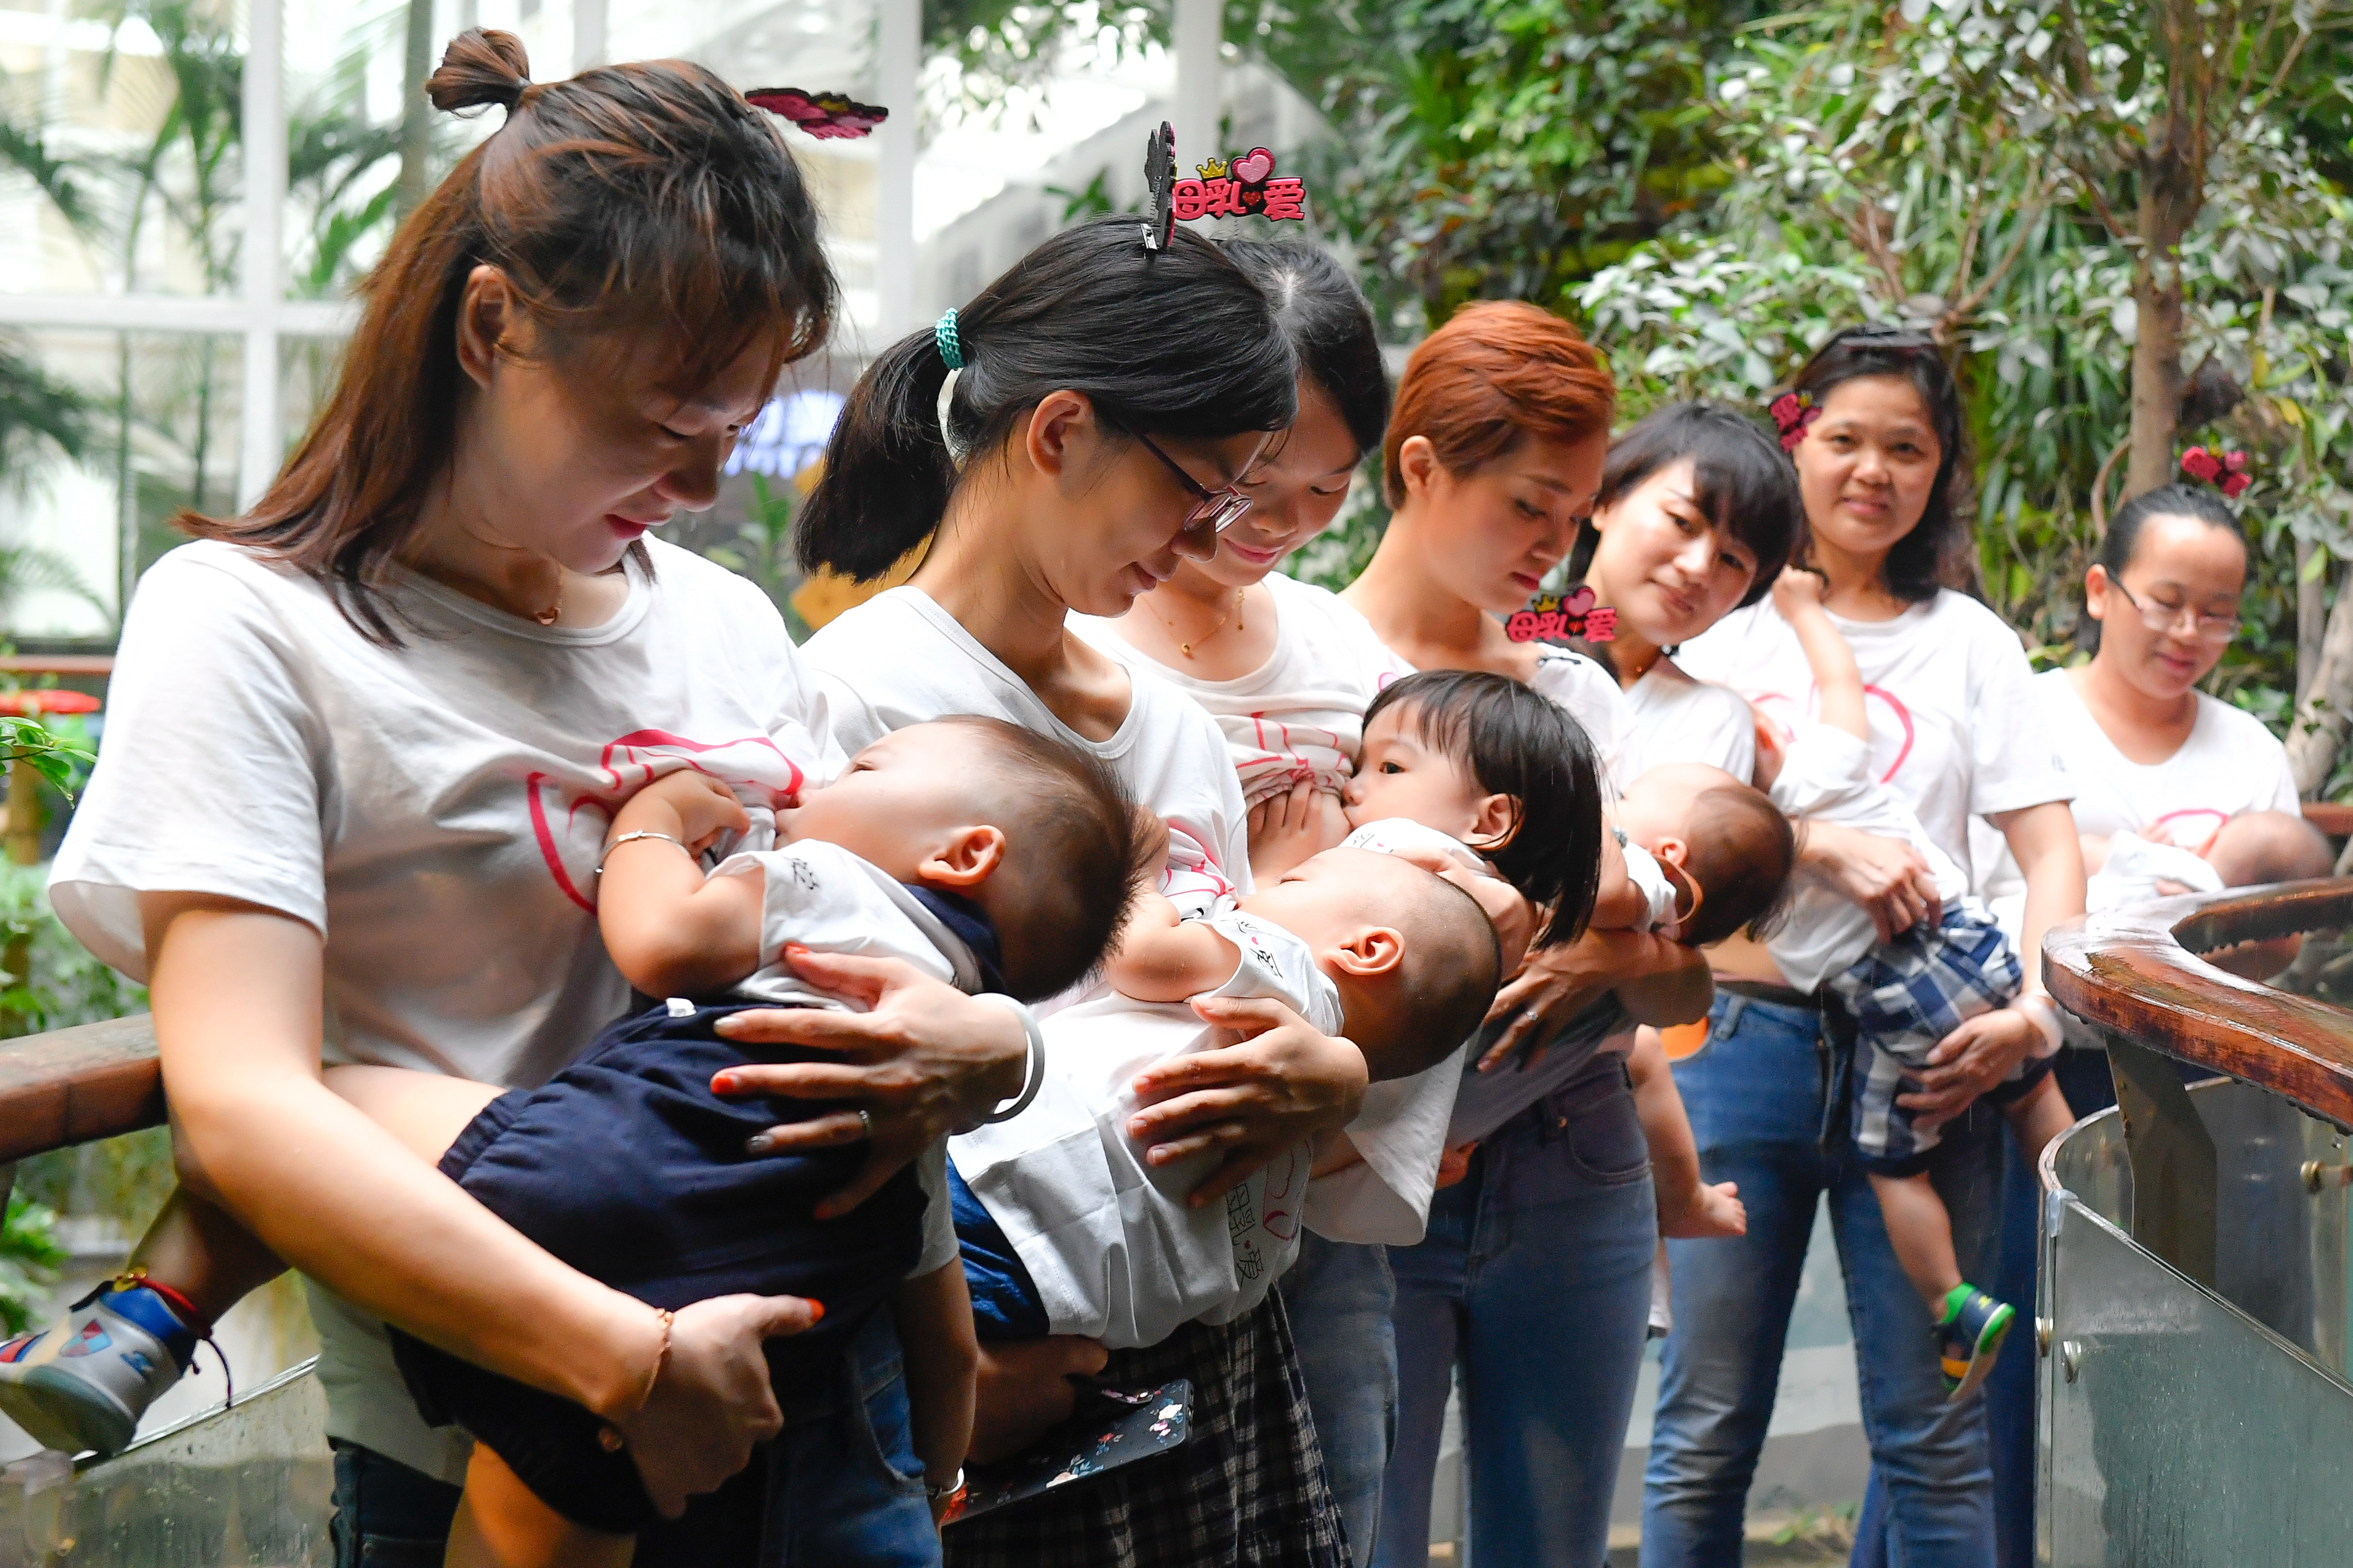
x=1795 y=591
x=1454 y=1164
x=1294 y=827
x=699 y=805
x=1712 y=1213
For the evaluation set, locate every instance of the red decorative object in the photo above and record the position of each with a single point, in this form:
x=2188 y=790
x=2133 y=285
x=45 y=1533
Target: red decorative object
x=2227 y=471
x=55 y=699
x=827 y=116
x=1792 y=413
x=1559 y=618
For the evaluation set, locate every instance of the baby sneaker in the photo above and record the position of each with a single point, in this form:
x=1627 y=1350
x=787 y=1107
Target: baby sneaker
x=82 y=1382
x=1969 y=1337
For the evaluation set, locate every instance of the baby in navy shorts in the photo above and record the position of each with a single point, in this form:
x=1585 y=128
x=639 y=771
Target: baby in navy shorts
x=985 y=855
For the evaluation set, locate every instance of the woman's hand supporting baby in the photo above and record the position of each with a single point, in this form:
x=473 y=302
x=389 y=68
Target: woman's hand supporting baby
x=921 y=1060
x=1272 y=1083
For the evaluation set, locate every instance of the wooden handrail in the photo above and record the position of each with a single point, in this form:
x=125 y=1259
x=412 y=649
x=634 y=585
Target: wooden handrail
x=74 y=1086
x=2136 y=972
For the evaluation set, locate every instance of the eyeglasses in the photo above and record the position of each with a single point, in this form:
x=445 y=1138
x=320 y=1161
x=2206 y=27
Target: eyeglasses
x=2157 y=618
x=1219 y=509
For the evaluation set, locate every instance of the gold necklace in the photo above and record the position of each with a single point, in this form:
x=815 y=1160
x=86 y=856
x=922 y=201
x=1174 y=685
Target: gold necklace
x=1241 y=596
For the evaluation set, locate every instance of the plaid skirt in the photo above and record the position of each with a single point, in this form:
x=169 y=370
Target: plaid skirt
x=1246 y=1490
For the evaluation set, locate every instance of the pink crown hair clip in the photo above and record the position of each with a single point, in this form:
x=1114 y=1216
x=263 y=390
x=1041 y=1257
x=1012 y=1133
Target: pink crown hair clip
x=2226 y=472
x=827 y=116
x=1792 y=413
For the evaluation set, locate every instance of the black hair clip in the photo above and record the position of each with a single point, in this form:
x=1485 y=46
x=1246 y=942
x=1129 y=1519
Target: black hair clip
x=827 y=116
x=1160 y=187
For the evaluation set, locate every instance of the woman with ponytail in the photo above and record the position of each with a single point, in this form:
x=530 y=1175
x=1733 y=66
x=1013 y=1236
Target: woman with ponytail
x=362 y=747
x=1288 y=671
x=1102 y=400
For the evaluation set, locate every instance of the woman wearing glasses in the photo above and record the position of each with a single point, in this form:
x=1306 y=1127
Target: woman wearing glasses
x=1874 y=426
x=2159 y=758
x=1105 y=400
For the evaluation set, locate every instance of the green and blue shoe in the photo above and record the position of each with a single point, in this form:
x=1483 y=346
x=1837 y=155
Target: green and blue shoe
x=1969 y=1337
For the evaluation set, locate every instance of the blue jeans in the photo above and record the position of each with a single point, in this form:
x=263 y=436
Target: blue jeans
x=1340 y=1298
x=1536 y=1280
x=1761 y=1096
x=841 y=1482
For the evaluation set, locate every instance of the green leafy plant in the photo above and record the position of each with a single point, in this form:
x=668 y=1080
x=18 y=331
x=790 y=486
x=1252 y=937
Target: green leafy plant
x=29 y=1260
x=57 y=758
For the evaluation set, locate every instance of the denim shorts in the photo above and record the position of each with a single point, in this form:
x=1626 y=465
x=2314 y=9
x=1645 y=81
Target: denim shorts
x=625 y=1167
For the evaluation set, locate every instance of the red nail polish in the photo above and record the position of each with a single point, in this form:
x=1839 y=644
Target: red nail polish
x=817 y=1312
x=723 y=1083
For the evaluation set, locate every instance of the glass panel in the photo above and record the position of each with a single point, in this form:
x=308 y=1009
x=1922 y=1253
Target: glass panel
x=251 y=1484
x=2178 y=1431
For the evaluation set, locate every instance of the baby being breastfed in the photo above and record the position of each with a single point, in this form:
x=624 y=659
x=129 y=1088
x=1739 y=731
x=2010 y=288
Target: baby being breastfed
x=1067 y=1229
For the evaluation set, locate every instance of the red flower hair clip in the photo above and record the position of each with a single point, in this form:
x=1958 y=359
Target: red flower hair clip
x=1792 y=413
x=2227 y=471
x=827 y=116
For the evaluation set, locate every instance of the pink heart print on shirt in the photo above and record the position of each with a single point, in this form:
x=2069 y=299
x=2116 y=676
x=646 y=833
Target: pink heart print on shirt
x=754 y=766
x=1767 y=702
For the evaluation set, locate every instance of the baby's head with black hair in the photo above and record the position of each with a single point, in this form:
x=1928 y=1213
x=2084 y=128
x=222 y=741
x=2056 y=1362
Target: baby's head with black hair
x=1487 y=760
x=1724 y=841
x=1043 y=836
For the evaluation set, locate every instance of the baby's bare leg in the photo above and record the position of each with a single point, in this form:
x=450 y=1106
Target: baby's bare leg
x=426 y=1110
x=205 y=1255
x=1922 y=1234
x=502 y=1523
x=2040 y=1117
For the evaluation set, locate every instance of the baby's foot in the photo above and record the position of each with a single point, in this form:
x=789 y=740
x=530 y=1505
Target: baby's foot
x=82 y=1382
x=1969 y=1337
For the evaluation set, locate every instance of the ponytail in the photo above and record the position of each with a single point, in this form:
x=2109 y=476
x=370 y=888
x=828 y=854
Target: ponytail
x=1177 y=342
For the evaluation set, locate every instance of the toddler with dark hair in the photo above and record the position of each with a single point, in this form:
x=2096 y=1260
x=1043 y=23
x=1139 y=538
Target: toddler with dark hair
x=984 y=854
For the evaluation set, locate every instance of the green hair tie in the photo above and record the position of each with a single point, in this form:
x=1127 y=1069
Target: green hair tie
x=950 y=348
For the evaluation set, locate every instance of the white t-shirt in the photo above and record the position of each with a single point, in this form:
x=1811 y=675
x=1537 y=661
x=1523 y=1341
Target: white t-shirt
x=2135 y=866
x=434 y=810
x=1948 y=691
x=899 y=659
x=2228 y=764
x=1826 y=776
x=830 y=901
x=1671 y=717
x=1300 y=715
x=1590 y=695
x=1113 y=1249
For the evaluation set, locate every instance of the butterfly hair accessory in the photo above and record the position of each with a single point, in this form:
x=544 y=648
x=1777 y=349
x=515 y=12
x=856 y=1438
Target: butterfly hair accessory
x=2226 y=472
x=1793 y=412
x=827 y=116
x=1159 y=187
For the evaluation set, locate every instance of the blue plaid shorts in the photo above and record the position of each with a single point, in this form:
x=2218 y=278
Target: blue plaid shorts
x=1905 y=996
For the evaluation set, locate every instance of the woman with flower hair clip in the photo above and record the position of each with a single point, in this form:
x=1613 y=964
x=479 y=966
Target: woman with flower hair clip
x=1874 y=426
x=2165 y=775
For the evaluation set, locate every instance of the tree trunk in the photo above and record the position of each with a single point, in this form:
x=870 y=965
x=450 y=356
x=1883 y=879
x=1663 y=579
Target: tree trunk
x=2311 y=617
x=2326 y=713
x=2155 y=367
x=415 y=113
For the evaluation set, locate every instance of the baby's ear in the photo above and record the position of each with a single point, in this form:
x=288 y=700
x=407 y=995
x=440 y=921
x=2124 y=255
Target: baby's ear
x=1371 y=951
x=966 y=859
x=1497 y=823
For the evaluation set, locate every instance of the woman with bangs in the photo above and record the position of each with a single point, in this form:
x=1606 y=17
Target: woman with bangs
x=1535 y=1276
x=363 y=746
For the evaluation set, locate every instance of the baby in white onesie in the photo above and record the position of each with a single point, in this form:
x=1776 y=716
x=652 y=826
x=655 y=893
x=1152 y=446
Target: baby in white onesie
x=1073 y=1233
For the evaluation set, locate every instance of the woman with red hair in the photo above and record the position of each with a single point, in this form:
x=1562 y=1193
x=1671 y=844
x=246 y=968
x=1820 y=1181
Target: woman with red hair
x=1536 y=1272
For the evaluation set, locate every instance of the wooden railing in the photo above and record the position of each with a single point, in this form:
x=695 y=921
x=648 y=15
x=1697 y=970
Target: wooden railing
x=76 y=1086
x=2139 y=975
